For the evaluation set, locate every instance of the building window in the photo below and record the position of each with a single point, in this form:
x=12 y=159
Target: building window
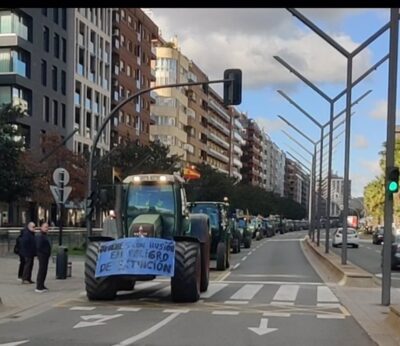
x=129 y=20
x=17 y=61
x=64 y=50
x=64 y=18
x=14 y=23
x=46 y=45
x=46 y=109
x=63 y=115
x=44 y=11
x=55 y=112
x=44 y=72
x=56 y=45
x=63 y=82
x=122 y=14
x=128 y=71
x=54 y=78
x=122 y=39
x=55 y=15
x=129 y=45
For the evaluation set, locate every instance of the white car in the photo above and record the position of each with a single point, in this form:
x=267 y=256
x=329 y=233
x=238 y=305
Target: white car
x=352 y=237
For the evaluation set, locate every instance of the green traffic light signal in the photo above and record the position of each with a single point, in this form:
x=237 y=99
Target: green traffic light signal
x=393 y=186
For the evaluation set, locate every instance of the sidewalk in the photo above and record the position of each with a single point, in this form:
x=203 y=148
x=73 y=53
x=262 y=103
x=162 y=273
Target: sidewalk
x=364 y=303
x=17 y=298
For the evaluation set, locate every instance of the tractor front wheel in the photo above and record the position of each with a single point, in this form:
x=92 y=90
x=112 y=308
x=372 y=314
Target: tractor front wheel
x=221 y=256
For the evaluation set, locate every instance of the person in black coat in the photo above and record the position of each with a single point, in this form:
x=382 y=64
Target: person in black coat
x=28 y=251
x=43 y=250
x=17 y=251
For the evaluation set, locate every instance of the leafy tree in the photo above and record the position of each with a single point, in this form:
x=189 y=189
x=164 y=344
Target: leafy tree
x=14 y=178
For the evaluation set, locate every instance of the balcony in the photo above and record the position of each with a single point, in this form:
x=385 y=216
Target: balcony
x=237 y=163
x=218 y=125
x=239 y=125
x=237 y=175
x=154 y=52
x=222 y=170
x=218 y=140
x=239 y=138
x=221 y=111
x=217 y=155
x=237 y=150
x=191 y=113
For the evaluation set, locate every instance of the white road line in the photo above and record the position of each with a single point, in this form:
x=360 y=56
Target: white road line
x=149 y=331
x=276 y=314
x=250 y=253
x=236 y=266
x=332 y=316
x=244 y=258
x=246 y=292
x=182 y=311
x=305 y=283
x=162 y=292
x=129 y=309
x=219 y=312
x=324 y=294
x=83 y=308
x=15 y=343
x=212 y=289
x=287 y=292
x=282 y=303
x=236 y=302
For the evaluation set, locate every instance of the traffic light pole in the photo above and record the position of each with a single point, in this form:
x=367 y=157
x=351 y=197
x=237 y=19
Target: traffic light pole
x=390 y=147
x=90 y=192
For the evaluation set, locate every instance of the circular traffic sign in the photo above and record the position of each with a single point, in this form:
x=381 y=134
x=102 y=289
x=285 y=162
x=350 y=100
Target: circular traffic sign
x=57 y=176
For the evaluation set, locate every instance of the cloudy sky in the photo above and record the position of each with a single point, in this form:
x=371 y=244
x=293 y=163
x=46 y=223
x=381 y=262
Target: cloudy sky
x=216 y=39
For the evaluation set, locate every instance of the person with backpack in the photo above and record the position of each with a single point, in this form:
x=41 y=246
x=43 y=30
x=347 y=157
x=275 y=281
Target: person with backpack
x=28 y=251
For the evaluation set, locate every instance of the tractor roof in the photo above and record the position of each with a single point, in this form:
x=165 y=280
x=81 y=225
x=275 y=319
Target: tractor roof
x=170 y=178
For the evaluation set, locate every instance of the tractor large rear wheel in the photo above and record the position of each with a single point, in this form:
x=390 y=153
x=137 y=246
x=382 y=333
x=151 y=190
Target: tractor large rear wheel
x=185 y=284
x=221 y=256
x=103 y=288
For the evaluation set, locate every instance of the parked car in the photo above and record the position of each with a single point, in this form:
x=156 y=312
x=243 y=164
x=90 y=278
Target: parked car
x=395 y=251
x=377 y=236
x=352 y=237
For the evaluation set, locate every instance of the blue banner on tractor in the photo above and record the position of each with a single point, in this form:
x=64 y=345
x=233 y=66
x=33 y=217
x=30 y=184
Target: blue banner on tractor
x=136 y=256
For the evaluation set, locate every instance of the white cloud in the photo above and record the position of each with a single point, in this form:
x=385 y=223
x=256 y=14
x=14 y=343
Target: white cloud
x=217 y=39
x=361 y=142
x=379 y=111
x=371 y=166
x=270 y=125
x=371 y=169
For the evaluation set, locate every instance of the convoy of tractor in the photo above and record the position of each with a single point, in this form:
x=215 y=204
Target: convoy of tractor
x=154 y=206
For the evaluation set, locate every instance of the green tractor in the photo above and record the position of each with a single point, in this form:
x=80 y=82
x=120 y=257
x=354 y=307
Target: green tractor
x=154 y=206
x=220 y=231
x=245 y=231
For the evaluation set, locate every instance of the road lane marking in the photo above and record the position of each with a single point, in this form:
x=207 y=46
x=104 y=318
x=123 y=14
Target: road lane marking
x=149 y=331
x=129 y=309
x=224 y=276
x=377 y=251
x=99 y=320
x=83 y=308
x=287 y=292
x=212 y=289
x=282 y=303
x=236 y=266
x=182 y=311
x=246 y=292
x=15 y=343
x=324 y=294
x=244 y=258
x=331 y=316
x=276 y=314
x=220 y=312
x=236 y=302
x=270 y=275
x=263 y=328
x=305 y=283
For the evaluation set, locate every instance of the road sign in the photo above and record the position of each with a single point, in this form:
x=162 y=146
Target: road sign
x=57 y=176
x=56 y=191
x=263 y=328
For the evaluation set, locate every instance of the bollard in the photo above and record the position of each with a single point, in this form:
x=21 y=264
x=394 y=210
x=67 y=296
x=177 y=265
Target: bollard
x=69 y=269
x=62 y=263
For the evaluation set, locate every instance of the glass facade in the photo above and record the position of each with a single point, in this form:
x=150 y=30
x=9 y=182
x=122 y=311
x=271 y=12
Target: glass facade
x=14 y=23
x=15 y=61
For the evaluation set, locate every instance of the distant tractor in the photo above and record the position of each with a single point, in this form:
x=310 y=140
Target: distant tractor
x=155 y=206
x=220 y=230
x=242 y=225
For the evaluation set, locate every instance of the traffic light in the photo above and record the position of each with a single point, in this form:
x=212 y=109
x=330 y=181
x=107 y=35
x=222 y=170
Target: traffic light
x=233 y=88
x=393 y=179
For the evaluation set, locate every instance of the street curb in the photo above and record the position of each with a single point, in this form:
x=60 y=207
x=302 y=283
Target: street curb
x=348 y=275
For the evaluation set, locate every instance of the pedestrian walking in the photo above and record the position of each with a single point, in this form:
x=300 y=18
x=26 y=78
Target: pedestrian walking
x=17 y=251
x=28 y=251
x=43 y=251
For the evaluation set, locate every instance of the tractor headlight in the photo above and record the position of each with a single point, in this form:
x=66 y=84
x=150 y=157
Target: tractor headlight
x=136 y=179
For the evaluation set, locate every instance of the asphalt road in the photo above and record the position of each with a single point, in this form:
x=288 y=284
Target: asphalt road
x=271 y=295
x=367 y=257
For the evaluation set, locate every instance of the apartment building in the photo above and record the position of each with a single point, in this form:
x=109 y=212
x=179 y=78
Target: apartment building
x=337 y=187
x=35 y=59
x=132 y=55
x=90 y=36
x=278 y=170
x=293 y=181
x=219 y=133
x=252 y=167
x=169 y=113
x=197 y=111
x=236 y=143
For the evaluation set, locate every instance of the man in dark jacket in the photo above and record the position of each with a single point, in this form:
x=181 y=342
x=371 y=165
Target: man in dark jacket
x=43 y=250
x=28 y=251
x=17 y=251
